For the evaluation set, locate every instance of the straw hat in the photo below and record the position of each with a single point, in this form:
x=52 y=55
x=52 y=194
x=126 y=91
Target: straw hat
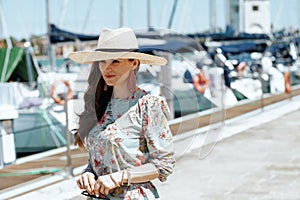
x=116 y=44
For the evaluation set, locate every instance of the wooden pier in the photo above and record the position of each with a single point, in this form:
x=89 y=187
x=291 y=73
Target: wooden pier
x=19 y=174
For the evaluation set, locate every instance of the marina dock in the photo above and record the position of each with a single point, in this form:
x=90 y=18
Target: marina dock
x=28 y=178
x=231 y=80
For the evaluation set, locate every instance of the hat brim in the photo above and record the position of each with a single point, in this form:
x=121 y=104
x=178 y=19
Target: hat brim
x=86 y=57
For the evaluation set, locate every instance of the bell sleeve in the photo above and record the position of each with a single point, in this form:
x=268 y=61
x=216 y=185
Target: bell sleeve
x=158 y=135
x=88 y=169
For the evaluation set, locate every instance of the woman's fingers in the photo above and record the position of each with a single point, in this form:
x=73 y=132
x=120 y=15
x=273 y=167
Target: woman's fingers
x=103 y=185
x=86 y=184
x=107 y=191
x=92 y=182
x=80 y=183
x=87 y=181
x=97 y=189
x=104 y=190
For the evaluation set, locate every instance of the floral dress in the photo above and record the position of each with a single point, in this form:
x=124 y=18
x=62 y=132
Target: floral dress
x=133 y=131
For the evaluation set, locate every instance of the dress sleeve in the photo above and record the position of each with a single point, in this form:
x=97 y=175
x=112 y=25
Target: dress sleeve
x=158 y=135
x=88 y=168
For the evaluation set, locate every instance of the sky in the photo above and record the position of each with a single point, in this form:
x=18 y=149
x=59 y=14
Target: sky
x=23 y=18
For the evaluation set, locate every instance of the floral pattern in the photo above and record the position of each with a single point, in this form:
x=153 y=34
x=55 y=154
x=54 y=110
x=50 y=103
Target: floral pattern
x=133 y=131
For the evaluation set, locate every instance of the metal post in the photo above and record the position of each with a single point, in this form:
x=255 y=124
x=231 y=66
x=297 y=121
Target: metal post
x=7 y=142
x=69 y=167
x=262 y=92
x=165 y=77
x=291 y=83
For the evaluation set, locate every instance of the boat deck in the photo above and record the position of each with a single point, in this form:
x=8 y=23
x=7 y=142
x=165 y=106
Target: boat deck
x=23 y=173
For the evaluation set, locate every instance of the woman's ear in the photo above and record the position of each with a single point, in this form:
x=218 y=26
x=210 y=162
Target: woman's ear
x=135 y=64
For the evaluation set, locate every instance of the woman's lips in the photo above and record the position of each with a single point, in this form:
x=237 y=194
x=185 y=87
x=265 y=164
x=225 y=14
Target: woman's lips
x=109 y=76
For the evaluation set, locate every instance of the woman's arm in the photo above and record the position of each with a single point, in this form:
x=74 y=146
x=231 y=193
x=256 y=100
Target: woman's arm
x=141 y=174
x=160 y=148
x=87 y=180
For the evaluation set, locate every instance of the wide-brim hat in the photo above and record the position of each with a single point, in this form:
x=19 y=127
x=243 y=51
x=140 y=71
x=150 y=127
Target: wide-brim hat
x=116 y=44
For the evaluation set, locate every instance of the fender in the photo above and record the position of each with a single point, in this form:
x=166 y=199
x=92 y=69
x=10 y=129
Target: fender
x=58 y=99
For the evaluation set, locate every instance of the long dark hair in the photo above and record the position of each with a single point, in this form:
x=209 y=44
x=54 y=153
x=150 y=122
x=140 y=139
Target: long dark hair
x=102 y=97
x=96 y=99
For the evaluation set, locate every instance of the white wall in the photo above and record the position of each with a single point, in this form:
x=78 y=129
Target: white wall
x=257 y=21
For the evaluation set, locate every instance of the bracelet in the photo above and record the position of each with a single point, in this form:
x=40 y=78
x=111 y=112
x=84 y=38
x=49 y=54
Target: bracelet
x=128 y=177
x=122 y=177
x=115 y=182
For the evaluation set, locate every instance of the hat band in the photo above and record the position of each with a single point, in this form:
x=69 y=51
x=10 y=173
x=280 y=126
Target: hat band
x=117 y=50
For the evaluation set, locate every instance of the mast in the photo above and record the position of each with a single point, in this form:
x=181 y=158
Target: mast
x=241 y=16
x=121 y=13
x=149 y=14
x=8 y=42
x=213 y=17
x=51 y=51
x=227 y=13
x=87 y=15
x=63 y=13
x=172 y=14
x=298 y=15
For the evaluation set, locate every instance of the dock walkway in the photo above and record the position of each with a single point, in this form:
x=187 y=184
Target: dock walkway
x=266 y=122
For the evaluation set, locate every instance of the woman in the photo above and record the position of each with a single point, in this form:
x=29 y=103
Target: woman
x=124 y=129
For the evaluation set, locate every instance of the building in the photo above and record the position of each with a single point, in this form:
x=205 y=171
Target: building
x=250 y=16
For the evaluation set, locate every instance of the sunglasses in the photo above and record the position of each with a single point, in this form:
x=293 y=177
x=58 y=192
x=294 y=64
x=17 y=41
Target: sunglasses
x=102 y=196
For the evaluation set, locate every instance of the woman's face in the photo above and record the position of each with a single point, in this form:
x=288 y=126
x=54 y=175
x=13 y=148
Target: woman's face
x=116 y=71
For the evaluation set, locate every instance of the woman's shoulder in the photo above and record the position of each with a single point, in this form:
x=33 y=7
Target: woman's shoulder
x=150 y=102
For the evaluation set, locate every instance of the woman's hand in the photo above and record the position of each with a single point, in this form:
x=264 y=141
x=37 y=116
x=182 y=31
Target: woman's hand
x=106 y=183
x=87 y=181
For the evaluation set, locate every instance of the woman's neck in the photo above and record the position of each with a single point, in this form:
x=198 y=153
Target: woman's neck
x=121 y=91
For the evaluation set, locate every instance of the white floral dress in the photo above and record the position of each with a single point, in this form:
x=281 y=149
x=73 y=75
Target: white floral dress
x=132 y=132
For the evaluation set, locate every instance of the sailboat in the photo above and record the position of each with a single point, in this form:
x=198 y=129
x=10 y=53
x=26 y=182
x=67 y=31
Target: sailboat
x=25 y=90
x=34 y=130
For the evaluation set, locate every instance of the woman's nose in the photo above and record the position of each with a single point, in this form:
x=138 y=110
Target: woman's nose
x=107 y=65
x=108 y=68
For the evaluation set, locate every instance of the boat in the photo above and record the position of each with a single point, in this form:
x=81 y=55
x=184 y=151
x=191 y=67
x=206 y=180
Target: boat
x=34 y=129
